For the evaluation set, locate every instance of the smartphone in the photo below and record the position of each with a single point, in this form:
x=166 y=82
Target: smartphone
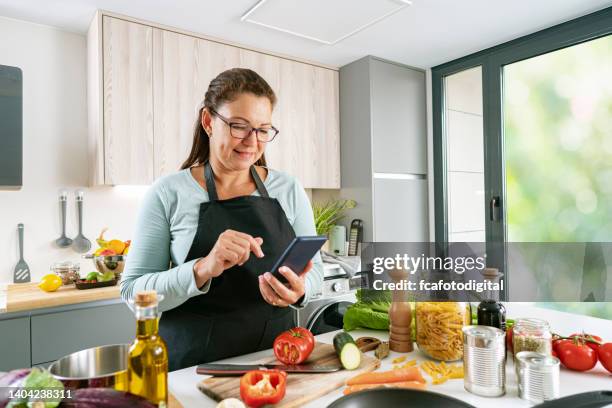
x=298 y=253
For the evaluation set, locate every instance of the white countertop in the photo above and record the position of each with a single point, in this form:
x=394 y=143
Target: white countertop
x=182 y=383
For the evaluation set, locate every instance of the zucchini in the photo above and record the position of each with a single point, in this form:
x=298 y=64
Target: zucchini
x=347 y=350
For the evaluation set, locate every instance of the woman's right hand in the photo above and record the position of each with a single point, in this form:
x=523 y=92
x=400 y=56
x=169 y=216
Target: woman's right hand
x=232 y=248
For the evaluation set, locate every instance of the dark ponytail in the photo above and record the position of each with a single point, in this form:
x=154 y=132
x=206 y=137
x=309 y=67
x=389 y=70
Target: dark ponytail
x=223 y=89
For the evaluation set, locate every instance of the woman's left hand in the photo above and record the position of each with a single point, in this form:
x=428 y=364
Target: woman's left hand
x=281 y=294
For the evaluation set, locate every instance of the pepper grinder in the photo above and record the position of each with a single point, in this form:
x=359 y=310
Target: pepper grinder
x=400 y=316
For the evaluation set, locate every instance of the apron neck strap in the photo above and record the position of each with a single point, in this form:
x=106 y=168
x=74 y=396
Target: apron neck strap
x=209 y=177
x=260 y=185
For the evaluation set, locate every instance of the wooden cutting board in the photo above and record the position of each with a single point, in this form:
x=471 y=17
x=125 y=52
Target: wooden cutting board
x=301 y=388
x=28 y=296
x=173 y=402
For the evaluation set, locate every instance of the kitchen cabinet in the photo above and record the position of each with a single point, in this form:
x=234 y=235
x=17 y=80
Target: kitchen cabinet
x=384 y=149
x=124 y=136
x=400 y=212
x=398 y=118
x=146 y=82
x=14 y=343
x=54 y=335
x=179 y=89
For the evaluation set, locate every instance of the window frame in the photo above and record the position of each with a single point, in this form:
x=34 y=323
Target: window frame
x=492 y=60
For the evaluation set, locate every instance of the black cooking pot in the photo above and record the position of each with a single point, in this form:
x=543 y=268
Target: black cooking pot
x=398 y=398
x=401 y=398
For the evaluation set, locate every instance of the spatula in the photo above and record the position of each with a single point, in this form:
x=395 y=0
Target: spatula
x=22 y=270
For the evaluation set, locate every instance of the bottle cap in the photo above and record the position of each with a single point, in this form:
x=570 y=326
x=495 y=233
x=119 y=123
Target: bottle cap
x=491 y=272
x=145 y=298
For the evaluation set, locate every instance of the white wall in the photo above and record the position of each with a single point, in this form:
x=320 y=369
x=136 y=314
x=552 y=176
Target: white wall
x=55 y=152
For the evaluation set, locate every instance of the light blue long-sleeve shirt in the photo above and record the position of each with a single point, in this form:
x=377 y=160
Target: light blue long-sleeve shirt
x=167 y=224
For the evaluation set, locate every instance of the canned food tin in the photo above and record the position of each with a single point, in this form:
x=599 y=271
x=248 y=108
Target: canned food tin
x=484 y=360
x=538 y=376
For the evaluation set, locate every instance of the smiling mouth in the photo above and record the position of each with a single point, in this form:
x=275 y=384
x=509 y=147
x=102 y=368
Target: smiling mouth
x=244 y=154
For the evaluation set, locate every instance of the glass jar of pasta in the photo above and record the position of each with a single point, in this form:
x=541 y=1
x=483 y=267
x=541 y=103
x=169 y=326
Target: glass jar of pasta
x=439 y=328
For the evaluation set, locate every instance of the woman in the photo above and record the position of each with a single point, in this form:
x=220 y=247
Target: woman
x=208 y=235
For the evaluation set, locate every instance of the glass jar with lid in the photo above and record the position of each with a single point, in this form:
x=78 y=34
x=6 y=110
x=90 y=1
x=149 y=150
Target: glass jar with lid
x=67 y=270
x=439 y=328
x=530 y=334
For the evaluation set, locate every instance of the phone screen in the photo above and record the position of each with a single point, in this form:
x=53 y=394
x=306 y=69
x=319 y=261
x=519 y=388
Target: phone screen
x=298 y=253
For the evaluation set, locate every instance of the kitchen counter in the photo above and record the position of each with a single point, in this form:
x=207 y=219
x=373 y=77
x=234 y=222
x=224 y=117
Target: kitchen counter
x=39 y=327
x=27 y=296
x=182 y=383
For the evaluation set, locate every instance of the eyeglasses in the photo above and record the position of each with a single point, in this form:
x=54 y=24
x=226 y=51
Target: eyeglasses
x=241 y=130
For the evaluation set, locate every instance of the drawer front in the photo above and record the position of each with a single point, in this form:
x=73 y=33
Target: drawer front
x=55 y=335
x=14 y=343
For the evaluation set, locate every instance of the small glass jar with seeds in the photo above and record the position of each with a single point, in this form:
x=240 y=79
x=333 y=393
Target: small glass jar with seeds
x=531 y=334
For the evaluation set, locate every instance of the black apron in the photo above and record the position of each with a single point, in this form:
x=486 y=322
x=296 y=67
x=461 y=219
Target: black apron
x=232 y=318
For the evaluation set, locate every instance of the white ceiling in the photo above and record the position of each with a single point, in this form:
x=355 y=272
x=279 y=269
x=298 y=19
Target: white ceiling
x=428 y=33
x=305 y=19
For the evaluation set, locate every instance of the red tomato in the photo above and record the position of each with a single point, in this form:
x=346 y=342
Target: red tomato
x=576 y=356
x=294 y=346
x=557 y=342
x=586 y=337
x=604 y=353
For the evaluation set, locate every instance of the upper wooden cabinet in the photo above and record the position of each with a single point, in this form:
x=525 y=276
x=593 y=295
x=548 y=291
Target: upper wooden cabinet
x=146 y=84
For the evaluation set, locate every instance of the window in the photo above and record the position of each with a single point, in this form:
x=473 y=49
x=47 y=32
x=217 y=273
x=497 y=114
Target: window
x=538 y=153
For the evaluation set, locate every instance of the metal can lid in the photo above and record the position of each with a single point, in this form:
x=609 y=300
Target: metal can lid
x=537 y=361
x=482 y=336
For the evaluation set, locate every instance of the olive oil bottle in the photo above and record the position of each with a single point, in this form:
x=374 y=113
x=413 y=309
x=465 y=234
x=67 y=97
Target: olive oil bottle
x=148 y=355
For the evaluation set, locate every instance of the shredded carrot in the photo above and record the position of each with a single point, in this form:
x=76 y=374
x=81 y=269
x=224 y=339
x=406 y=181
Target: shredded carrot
x=401 y=384
x=383 y=377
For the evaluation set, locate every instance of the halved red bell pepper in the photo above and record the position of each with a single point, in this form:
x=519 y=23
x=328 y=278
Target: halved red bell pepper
x=260 y=387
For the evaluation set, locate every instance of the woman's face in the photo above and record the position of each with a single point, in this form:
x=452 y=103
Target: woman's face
x=231 y=152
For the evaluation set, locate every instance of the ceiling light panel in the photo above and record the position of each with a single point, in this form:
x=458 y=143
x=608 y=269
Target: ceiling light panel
x=324 y=21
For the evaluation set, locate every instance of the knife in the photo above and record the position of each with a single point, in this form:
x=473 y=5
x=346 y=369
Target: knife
x=226 y=370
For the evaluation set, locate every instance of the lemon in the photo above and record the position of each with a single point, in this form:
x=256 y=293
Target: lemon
x=50 y=283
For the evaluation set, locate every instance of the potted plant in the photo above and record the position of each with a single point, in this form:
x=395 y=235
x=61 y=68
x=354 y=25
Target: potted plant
x=328 y=214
